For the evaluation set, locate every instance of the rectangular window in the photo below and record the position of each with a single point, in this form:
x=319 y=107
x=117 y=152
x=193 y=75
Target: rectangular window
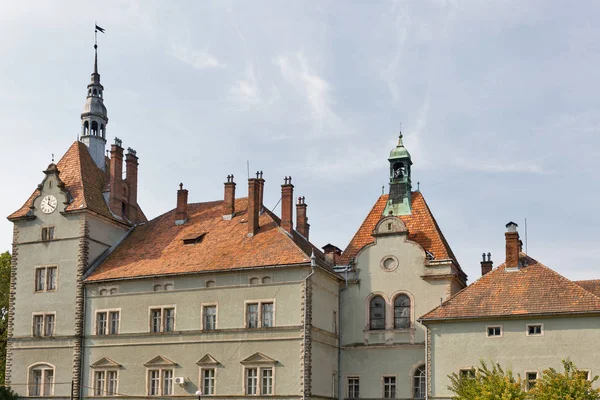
x=494 y=331
x=534 y=330
x=267 y=381
x=531 y=379
x=49 y=325
x=252 y=315
x=40 y=279
x=48 y=233
x=167 y=382
x=251 y=380
x=101 y=323
x=51 y=278
x=38 y=325
x=353 y=388
x=114 y=322
x=208 y=381
x=267 y=315
x=467 y=373
x=99 y=380
x=111 y=383
x=35 y=388
x=153 y=382
x=48 y=381
x=389 y=387
x=155 y=319
x=169 y=323
x=210 y=318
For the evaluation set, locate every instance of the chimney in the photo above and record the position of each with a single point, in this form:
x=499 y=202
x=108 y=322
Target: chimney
x=181 y=212
x=302 y=225
x=116 y=177
x=513 y=245
x=253 y=206
x=229 y=203
x=486 y=265
x=131 y=177
x=287 y=195
x=332 y=253
x=261 y=190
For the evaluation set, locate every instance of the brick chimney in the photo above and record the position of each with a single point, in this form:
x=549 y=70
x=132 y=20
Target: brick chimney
x=131 y=177
x=181 y=212
x=486 y=265
x=287 y=195
x=229 y=203
x=253 y=207
x=302 y=225
x=513 y=245
x=332 y=253
x=116 y=178
x=261 y=191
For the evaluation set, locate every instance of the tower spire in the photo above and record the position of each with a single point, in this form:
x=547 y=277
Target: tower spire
x=399 y=201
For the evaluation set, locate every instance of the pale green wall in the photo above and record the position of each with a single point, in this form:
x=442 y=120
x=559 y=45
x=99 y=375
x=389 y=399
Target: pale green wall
x=457 y=345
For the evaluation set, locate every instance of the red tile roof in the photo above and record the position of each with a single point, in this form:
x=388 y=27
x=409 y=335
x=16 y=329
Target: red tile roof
x=591 y=286
x=422 y=228
x=533 y=289
x=83 y=180
x=157 y=248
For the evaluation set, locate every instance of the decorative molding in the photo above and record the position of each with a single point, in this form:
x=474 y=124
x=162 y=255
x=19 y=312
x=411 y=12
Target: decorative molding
x=11 y=304
x=160 y=361
x=258 y=358
x=82 y=264
x=208 y=360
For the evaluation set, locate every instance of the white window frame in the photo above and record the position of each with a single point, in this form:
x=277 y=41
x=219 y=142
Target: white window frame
x=161 y=371
x=46 y=275
x=203 y=322
x=104 y=391
x=259 y=376
x=42 y=366
x=108 y=311
x=43 y=315
x=527 y=380
x=348 y=378
x=201 y=380
x=534 y=334
x=487 y=331
x=395 y=386
x=260 y=303
x=162 y=318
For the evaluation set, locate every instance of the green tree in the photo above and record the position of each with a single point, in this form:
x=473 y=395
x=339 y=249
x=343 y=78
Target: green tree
x=484 y=383
x=572 y=384
x=5 y=260
x=7 y=394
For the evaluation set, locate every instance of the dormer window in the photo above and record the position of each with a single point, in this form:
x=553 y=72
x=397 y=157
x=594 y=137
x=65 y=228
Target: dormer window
x=194 y=239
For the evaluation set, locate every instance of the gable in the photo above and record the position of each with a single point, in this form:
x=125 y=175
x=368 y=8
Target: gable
x=258 y=358
x=105 y=362
x=207 y=360
x=160 y=361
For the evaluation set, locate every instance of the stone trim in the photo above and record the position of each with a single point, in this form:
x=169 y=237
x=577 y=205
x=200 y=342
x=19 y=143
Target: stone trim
x=11 y=304
x=82 y=264
x=306 y=345
x=428 y=355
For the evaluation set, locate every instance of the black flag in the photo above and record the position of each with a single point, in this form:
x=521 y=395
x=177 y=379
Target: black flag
x=99 y=29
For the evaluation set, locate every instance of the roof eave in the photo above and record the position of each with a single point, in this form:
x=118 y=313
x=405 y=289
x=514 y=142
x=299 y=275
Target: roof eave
x=424 y=321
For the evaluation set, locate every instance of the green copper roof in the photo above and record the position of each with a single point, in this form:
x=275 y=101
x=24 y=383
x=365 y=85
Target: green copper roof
x=400 y=151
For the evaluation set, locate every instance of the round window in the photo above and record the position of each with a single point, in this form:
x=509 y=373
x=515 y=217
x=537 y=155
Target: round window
x=389 y=263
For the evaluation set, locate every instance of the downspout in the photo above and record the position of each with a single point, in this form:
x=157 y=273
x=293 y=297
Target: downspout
x=339 y=360
x=426 y=363
x=81 y=370
x=313 y=264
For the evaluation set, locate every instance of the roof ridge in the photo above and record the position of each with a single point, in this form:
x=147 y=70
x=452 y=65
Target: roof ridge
x=284 y=232
x=356 y=234
x=572 y=283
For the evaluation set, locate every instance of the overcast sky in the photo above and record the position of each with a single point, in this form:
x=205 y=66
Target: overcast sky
x=498 y=103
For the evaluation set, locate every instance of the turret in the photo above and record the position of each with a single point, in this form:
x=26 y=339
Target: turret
x=399 y=200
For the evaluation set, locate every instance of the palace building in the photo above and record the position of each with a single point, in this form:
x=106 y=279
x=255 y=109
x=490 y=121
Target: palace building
x=226 y=298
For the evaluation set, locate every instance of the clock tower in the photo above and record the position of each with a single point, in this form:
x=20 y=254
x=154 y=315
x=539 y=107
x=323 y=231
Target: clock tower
x=399 y=200
x=94 y=117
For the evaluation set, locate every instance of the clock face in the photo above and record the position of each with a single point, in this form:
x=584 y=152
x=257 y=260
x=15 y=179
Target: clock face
x=49 y=204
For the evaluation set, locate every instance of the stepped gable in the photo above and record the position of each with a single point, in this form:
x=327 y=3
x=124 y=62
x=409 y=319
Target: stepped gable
x=212 y=244
x=533 y=289
x=422 y=229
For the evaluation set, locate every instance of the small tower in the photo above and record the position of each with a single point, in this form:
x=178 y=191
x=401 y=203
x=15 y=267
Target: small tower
x=94 y=117
x=400 y=186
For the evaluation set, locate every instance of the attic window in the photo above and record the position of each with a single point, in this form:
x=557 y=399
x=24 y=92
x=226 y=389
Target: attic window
x=194 y=239
x=429 y=255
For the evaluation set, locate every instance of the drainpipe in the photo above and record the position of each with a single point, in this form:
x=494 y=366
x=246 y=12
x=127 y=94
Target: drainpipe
x=313 y=264
x=339 y=360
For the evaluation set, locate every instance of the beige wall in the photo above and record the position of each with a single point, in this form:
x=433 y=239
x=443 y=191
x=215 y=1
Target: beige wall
x=457 y=345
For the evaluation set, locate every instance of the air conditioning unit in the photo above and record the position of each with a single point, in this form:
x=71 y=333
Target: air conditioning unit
x=180 y=380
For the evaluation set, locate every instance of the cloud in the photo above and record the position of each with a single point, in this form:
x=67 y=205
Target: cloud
x=246 y=91
x=469 y=163
x=197 y=59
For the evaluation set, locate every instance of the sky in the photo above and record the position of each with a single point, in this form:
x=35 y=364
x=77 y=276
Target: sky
x=497 y=100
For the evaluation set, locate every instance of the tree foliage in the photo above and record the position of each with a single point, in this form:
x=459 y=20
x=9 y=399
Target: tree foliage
x=7 y=394
x=487 y=384
x=5 y=261
x=571 y=384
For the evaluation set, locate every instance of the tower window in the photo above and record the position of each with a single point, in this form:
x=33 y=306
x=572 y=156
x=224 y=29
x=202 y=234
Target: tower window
x=95 y=92
x=123 y=208
x=399 y=170
x=95 y=128
x=86 y=128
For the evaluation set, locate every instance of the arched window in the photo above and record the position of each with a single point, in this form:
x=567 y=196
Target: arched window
x=41 y=380
x=95 y=92
x=89 y=92
x=419 y=383
x=114 y=291
x=94 y=128
x=210 y=283
x=402 y=312
x=168 y=286
x=157 y=288
x=254 y=281
x=377 y=313
x=102 y=130
x=86 y=128
x=266 y=279
x=103 y=292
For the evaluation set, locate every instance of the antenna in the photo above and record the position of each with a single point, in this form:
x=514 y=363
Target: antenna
x=526 y=252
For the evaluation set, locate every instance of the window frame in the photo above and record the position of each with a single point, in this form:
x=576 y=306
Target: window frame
x=259 y=378
x=43 y=367
x=108 y=326
x=527 y=333
x=383 y=386
x=43 y=315
x=214 y=380
x=259 y=303
x=356 y=390
x=203 y=306
x=46 y=269
x=410 y=308
x=528 y=381
x=162 y=318
x=370 y=314
x=416 y=375
x=161 y=377
x=487 y=331
x=48 y=232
